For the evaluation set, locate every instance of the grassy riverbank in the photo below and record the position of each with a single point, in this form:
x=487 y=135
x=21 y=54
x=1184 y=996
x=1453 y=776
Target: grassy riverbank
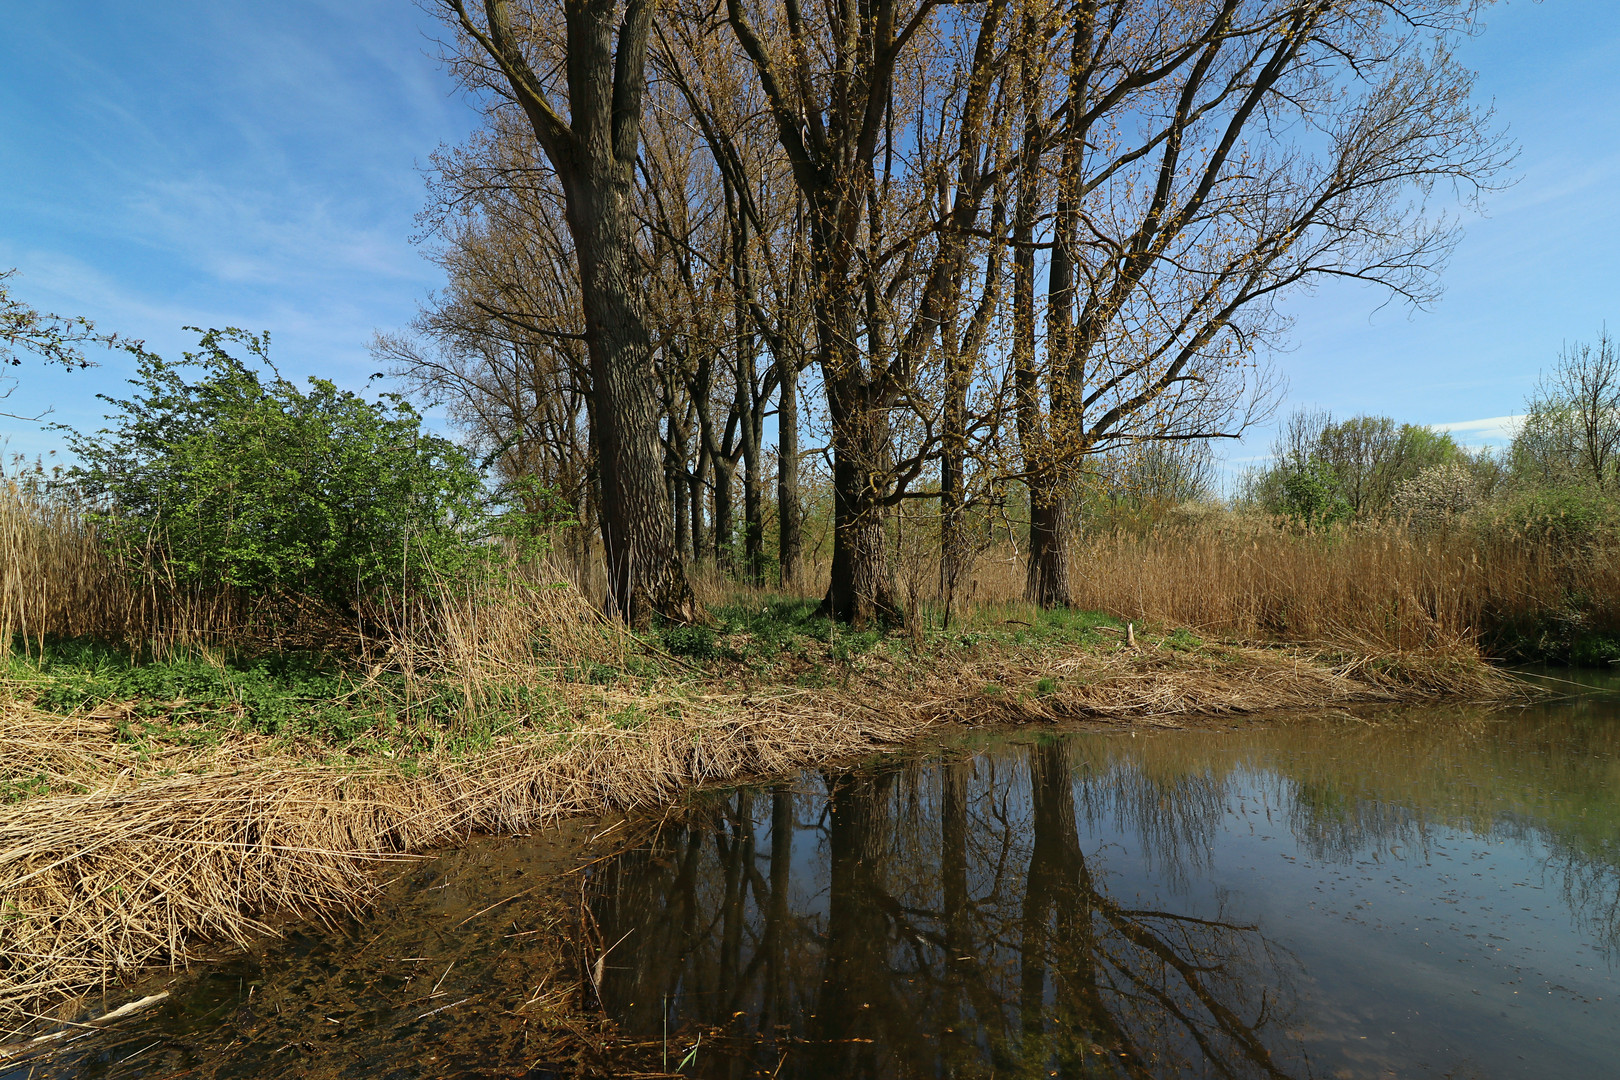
x=154 y=808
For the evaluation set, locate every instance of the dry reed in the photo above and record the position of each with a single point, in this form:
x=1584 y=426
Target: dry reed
x=1375 y=588
x=59 y=577
x=54 y=575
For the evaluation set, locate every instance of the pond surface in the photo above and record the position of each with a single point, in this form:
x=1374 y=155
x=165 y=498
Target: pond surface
x=1416 y=893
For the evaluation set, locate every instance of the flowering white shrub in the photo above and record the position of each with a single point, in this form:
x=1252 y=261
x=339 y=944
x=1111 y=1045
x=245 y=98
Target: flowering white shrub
x=1438 y=494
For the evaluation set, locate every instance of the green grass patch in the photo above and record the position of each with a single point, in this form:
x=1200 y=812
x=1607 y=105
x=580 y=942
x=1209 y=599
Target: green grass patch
x=1182 y=640
x=267 y=694
x=195 y=699
x=765 y=631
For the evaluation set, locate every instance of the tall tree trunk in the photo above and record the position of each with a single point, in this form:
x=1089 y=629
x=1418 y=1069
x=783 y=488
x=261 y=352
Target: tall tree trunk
x=644 y=574
x=953 y=545
x=725 y=471
x=753 y=507
x=862 y=589
x=789 y=515
x=675 y=450
x=697 y=487
x=750 y=409
x=683 y=519
x=1047 y=580
x=594 y=153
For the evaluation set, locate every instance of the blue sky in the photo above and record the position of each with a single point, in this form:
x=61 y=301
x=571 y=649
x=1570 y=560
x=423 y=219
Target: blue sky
x=1540 y=269
x=258 y=165
x=215 y=164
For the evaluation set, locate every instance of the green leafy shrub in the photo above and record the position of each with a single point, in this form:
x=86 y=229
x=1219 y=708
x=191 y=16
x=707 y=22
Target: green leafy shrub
x=1311 y=496
x=1568 y=516
x=236 y=477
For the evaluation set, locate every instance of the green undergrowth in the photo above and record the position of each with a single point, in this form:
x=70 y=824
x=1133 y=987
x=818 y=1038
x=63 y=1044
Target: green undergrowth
x=314 y=705
x=1564 y=640
x=786 y=639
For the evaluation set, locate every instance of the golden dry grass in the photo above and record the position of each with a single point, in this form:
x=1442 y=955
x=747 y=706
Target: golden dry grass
x=1216 y=572
x=59 y=578
x=1374 y=587
x=1382 y=586
x=54 y=576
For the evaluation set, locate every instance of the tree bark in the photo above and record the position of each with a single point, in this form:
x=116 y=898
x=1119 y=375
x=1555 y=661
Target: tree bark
x=724 y=472
x=1047 y=578
x=644 y=574
x=953 y=545
x=753 y=508
x=683 y=520
x=594 y=154
x=789 y=515
x=696 y=488
x=862 y=589
x=1047 y=581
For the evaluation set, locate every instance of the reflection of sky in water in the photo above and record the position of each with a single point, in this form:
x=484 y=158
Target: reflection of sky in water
x=1424 y=948
x=1420 y=901
x=1458 y=953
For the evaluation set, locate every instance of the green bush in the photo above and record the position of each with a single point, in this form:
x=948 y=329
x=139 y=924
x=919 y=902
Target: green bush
x=1311 y=495
x=239 y=478
x=1568 y=516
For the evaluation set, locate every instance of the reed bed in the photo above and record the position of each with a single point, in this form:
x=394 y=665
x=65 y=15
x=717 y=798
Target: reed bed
x=59 y=577
x=1217 y=572
x=1381 y=587
x=54 y=574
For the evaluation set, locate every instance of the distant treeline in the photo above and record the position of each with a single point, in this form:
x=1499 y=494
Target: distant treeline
x=1560 y=473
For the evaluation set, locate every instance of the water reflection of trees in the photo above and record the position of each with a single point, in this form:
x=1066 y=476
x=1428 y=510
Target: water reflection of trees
x=933 y=922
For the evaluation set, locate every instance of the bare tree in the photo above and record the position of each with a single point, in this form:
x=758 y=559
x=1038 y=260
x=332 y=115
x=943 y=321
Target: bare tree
x=1571 y=428
x=1214 y=155
x=839 y=82
x=580 y=85
x=898 y=173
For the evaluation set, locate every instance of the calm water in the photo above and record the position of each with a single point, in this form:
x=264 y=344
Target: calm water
x=1425 y=893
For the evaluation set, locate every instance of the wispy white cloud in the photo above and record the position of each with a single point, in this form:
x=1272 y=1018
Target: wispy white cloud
x=286 y=238
x=1488 y=431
